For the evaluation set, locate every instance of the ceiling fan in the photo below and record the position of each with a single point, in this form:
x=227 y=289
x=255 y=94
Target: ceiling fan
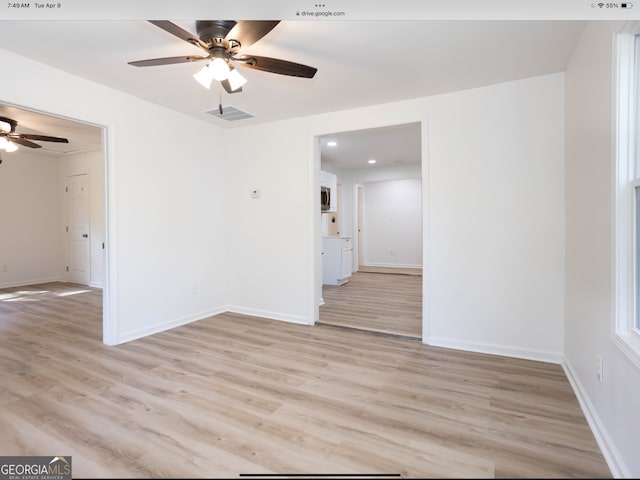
x=9 y=138
x=222 y=41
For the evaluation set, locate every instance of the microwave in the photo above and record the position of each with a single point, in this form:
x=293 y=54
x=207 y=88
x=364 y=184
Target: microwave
x=325 y=199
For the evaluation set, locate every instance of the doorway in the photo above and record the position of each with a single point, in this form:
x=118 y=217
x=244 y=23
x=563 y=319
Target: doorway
x=59 y=188
x=384 y=292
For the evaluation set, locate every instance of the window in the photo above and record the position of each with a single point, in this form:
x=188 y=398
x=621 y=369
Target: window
x=635 y=324
x=627 y=189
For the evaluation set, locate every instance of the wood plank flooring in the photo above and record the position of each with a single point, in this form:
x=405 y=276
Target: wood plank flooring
x=233 y=395
x=378 y=302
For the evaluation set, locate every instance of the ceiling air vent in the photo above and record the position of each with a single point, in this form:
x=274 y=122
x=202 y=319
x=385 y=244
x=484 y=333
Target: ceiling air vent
x=229 y=113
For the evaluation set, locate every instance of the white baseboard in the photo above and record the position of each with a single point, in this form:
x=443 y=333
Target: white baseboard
x=392 y=265
x=607 y=447
x=143 y=332
x=39 y=281
x=270 y=315
x=36 y=281
x=526 y=354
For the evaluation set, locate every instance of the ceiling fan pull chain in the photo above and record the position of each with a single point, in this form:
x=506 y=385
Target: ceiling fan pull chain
x=220 y=103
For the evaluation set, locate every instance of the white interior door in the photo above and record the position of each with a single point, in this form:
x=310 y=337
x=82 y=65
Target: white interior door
x=78 y=229
x=360 y=226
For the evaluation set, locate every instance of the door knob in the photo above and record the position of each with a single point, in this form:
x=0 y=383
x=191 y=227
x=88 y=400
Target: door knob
x=85 y=235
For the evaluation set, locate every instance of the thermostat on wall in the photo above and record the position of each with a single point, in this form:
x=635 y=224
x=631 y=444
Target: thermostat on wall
x=255 y=193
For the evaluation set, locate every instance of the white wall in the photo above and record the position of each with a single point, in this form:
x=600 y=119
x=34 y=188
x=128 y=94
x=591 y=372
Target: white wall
x=611 y=406
x=493 y=211
x=349 y=178
x=496 y=195
x=29 y=214
x=269 y=237
x=91 y=163
x=167 y=209
x=392 y=223
x=32 y=200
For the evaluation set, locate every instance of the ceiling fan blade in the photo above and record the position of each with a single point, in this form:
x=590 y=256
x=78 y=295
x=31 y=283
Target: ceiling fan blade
x=167 y=61
x=179 y=32
x=283 y=67
x=43 y=138
x=26 y=143
x=227 y=86
x=247 y=32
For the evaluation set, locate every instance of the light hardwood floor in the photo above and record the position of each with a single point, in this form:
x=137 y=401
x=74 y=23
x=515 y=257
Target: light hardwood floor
x=234 y=395
x=378 y=302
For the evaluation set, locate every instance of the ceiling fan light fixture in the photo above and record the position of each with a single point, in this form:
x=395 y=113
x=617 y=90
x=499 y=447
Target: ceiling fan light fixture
x=5 y=126
x=222 y=40
x=7 y=145
x=219 y=69
x=236 y=80
x=204 y=76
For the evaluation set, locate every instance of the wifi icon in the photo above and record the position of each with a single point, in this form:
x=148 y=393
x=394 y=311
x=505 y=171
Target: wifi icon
x=601 y=5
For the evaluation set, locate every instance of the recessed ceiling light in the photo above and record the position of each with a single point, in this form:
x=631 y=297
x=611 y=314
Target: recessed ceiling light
x=372 y=161
x=331 y=143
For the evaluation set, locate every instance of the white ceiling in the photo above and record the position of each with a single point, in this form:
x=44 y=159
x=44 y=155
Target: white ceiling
x=391 y=146
x=82 y=137
x=359 y=63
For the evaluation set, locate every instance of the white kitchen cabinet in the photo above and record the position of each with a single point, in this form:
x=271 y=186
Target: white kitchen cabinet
x=336 y=260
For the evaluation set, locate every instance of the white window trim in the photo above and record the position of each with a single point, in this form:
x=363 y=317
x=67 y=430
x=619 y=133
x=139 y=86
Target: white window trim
x=624 y=335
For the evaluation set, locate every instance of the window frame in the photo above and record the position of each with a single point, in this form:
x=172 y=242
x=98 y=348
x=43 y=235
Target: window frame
x=626 y=331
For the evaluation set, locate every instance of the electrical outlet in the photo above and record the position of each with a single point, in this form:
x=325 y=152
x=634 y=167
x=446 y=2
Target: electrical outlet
x=600 y=370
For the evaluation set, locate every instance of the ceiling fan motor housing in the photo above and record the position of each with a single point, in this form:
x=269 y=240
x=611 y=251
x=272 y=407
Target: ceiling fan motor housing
x=214 y=32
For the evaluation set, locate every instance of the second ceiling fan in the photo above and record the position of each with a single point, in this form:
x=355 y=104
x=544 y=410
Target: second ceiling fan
x=222 y=41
